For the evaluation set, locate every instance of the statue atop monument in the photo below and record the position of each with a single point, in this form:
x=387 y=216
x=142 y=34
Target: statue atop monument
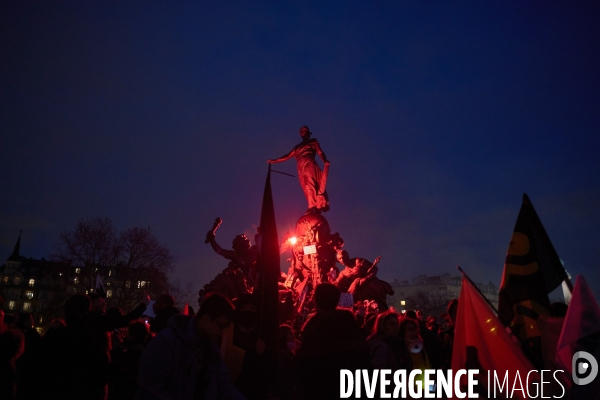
x=312 y=179
x=315 y=249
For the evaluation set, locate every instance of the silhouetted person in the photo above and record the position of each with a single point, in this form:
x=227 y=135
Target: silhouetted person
x=164 y=308
x=183 y=363
x=327 y=296
x=331 y=341
x=259 y=364
x=125 y=365
x=55 y=326
x=28 y=364
x=74 y=364
x=284 y=383
x=368 y=324
x=101 y=326
x=116 y=335
x=431 y=341
x=11 y=348
x=241 y=335
x=448 y=334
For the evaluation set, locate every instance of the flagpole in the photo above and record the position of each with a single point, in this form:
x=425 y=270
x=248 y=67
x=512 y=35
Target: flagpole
x=569 y=284
x=279 y=172
x=569 y=287
x=476 y=288
x=262 y=277
x=269 y=267
x=262 y=274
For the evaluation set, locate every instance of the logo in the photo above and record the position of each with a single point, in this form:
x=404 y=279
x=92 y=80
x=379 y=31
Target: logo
x=585 y=368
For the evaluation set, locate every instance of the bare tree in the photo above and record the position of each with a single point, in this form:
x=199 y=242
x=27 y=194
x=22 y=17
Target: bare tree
x=129 y=263
x=139 y=248
x=92 y=242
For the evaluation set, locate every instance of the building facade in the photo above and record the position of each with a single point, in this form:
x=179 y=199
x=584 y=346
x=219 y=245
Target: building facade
x=40 y=287
x=438 y=290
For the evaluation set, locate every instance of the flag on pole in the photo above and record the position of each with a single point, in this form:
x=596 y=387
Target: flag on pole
x=532 y=269
x=481 y=342
x=582 y=325
x=268 y=269
x=99 y=287
x=566 y=292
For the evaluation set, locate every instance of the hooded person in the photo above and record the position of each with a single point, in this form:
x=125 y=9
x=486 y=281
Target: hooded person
x=164 y=308
x=183 y=362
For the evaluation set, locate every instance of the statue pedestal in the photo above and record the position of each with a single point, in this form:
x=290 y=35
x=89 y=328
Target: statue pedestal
x=314 y=258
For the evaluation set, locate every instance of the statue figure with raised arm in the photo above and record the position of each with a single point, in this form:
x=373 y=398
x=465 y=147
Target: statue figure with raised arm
x=240 y=274
x=312 y=179
x=359 y=277
x=243 y=255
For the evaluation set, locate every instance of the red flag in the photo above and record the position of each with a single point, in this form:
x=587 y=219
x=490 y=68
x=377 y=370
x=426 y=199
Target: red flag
x=582 y=325
x=481 y=342
x=268 y=269
x=550 y=328
x=186 y=309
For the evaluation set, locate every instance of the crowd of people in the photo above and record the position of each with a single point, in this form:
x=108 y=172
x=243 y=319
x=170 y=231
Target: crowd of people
x=217 y=353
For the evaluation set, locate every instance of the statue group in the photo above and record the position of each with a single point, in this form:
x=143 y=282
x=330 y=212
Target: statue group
x=316 y=252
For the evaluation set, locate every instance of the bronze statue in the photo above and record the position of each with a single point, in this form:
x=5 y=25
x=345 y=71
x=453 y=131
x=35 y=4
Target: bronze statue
x=240 y=274
x=312 y=180
x=231 y=282
x=359 y=277
x=243 y=255
x=313 y=259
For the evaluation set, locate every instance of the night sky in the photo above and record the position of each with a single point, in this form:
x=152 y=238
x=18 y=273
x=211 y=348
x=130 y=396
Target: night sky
x=436 y=117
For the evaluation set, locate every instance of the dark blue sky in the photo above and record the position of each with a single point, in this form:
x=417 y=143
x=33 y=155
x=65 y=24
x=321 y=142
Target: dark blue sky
x=436 y=117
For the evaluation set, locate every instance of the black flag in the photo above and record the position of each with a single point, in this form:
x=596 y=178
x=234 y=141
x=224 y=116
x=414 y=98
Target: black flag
x=532 y=270
x=268 y=269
